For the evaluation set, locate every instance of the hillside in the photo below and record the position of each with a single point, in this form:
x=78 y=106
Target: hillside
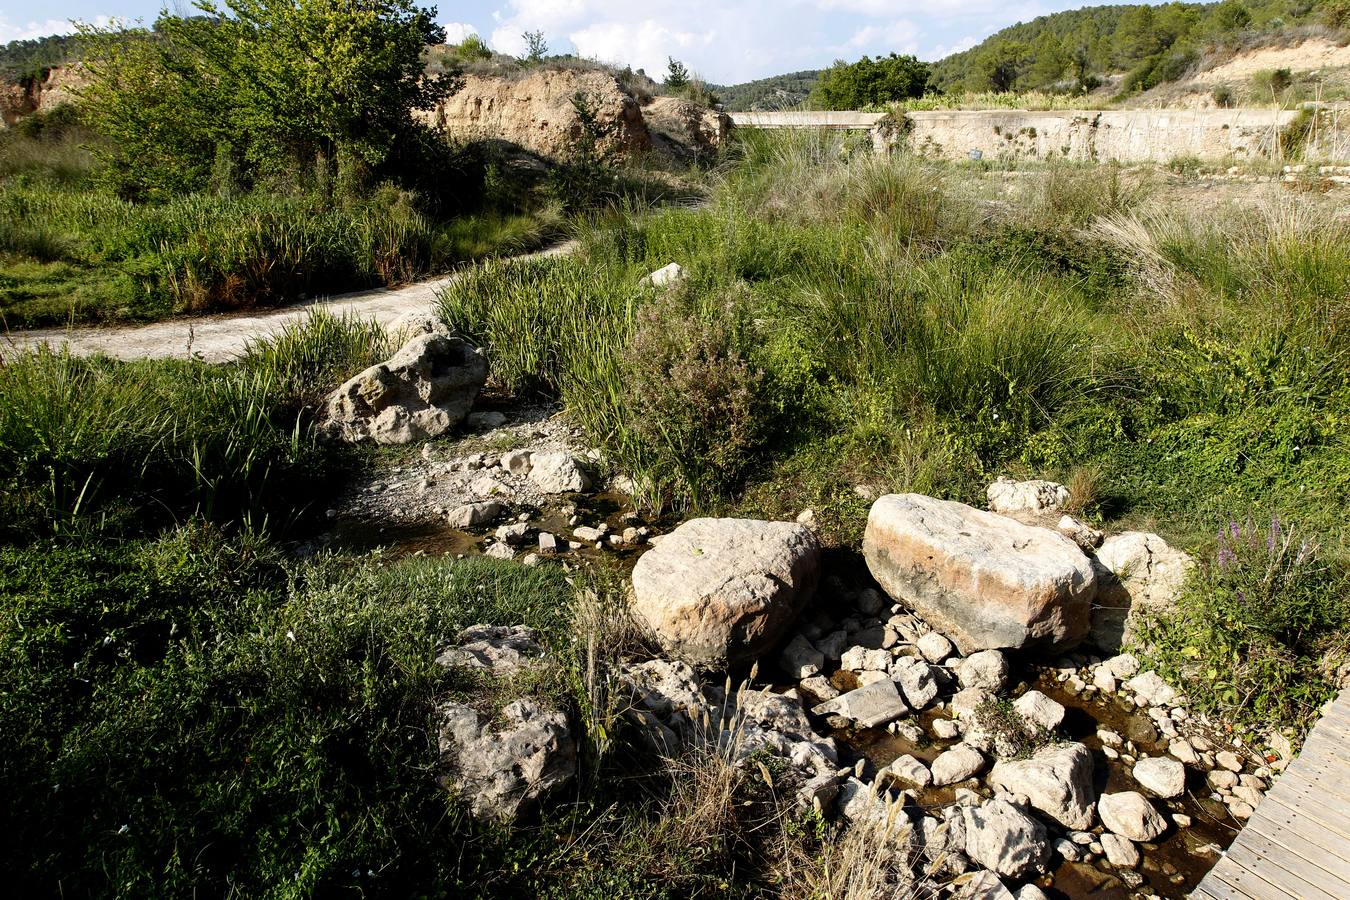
x=776 y=92
x=1141 y=46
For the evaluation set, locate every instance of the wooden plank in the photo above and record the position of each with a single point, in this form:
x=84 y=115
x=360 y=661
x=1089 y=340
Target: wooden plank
x=1320 y=780
x=1313 y=812
x=1214 y=889
x=1313 y=840
x=1245 y=882
x=1298 y=877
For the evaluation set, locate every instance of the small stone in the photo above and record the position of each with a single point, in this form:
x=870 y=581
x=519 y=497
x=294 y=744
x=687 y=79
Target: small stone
x=819 y=687
x=1182 y=749
x=532 y=559
x=801 y=660
x=1249 y=795
x=987 y=669
x=1109 y=738
x=934 y=647
x=946 y=729
x=1181 y=820
x=1240 y=809
x=908 y=768
x=1126 y=665
x=807 y=517
x=1130 y=815
x=1150 y=688
x=870 y=601
x=1229 y=760
x=500 y=550
x=1039 y=710
x=1161 y=776
x=471 y=514
x=517 y=462
x=549 y=543
x=1119 y=851
x=1221 y=780
x=957 y=764
x=1103 y=680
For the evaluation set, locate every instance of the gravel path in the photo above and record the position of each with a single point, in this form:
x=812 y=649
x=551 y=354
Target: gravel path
x=221 y=338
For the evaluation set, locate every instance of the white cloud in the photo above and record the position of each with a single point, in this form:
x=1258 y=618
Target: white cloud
x=455 y=32
x=27 y=31
x=895 y=37
x=646 y=45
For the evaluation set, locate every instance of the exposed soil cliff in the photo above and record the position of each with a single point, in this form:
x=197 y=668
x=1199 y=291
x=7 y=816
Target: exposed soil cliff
x=42 y=94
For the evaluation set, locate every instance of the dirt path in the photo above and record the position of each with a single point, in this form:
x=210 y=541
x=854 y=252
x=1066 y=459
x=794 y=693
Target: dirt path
x=221 y=338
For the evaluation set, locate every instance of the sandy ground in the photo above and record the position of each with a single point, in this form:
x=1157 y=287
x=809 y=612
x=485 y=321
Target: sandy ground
x=223 y=337
x=1304 y=57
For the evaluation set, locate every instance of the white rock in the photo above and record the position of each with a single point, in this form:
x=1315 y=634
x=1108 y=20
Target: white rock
x=1130 y=815
x=1161 y=776
x=912 y=770
x=967 y=702
x=1229 y=760
x=663 y=277
x=946 y=729
x=1137 y=573
x=957 y=764
x=720 y=591
x=916 y=679
x=934 y=647
x=1056 y=780
x=518 y=462
x=984 y=580
x=819 y=686
x=987 y=669
x=869 y=706
x=500 y=550
x=1126 y=665
x=558 y=473
x=1149 y=687
x=1030 y=497
x=1120 y=852
x=1039 y=710
x=421 y=392
x=471 y=514
x=1103 y=680
x=1002 y=838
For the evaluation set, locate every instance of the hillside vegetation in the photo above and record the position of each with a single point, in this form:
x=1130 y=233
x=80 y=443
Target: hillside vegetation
x=1075 y=50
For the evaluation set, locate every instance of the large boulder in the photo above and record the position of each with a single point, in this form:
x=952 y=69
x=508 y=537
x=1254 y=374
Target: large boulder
x=1002 y=838
x=499 y=764
x=984 y=580
x=717 y=592
x=1137 y=573
x=1056 y=780
x=420 y=392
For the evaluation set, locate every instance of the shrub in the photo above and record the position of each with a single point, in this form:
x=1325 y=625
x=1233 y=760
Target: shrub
x=695 y=400
x=1250 y=632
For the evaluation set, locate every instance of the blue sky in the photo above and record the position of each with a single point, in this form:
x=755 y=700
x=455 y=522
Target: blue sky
x=725 y=42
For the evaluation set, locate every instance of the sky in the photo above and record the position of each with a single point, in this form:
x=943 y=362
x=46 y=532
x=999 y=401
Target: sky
x=725 y=42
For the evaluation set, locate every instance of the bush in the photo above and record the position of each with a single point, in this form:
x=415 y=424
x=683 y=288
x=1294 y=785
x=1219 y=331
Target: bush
x=695 y=400
x=1250 y=633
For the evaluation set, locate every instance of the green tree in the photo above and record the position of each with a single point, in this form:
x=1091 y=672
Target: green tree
x=1049 y=61
x=677 y=76
x=1000 y=66
x=870 y=82
x=1230 y=16
x=1138 y=35
x=536 y=47
x=272 y=84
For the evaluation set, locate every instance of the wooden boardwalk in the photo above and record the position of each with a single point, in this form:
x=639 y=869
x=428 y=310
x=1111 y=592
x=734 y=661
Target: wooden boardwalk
x=1297 y=844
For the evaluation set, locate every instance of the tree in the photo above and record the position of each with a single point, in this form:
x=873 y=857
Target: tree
x=677 y=76
x=1230 y=16
x=536 y=48
x=1049 y=61
x=276 y=83
x=871 y=82
x=1000 y=66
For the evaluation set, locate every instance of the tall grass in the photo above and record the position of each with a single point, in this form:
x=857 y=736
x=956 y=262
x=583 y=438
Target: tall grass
x=85 y=438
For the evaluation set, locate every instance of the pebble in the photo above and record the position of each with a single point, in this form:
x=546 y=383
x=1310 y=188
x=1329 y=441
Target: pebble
x=1228 y=760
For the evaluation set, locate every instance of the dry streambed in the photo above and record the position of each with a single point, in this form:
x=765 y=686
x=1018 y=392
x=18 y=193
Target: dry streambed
x=958 y=692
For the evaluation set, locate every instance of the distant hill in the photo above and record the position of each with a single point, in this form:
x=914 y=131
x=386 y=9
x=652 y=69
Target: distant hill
x=777 y=92
x=1148 y=45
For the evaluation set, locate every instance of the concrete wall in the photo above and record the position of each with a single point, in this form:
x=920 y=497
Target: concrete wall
x=1128 y=135
x=1131 y=135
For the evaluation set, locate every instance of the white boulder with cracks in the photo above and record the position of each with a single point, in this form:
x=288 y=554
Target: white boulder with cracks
x=421 y=392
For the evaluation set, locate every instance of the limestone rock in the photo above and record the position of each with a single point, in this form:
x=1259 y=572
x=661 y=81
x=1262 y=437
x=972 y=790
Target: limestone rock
x=934 y=647
x=421 y=392
x=517 y=462
x=1137 y=572
x=1130 y=815
x=916 y=679
x=957 y=764
x=1056 y=780
x=664 y=277
x=869 y=706
x=501 y=764
x=987 y=669
x=716 y=592
x=1119 y=851
x=1012 y=498
x=498 y=651
x=984 y=580
x=1161 y=776
x=471 y=514
x=911 y=770
x=1039 y=710
x=1003 y=839
x=1149 y=687
x=558 y=473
